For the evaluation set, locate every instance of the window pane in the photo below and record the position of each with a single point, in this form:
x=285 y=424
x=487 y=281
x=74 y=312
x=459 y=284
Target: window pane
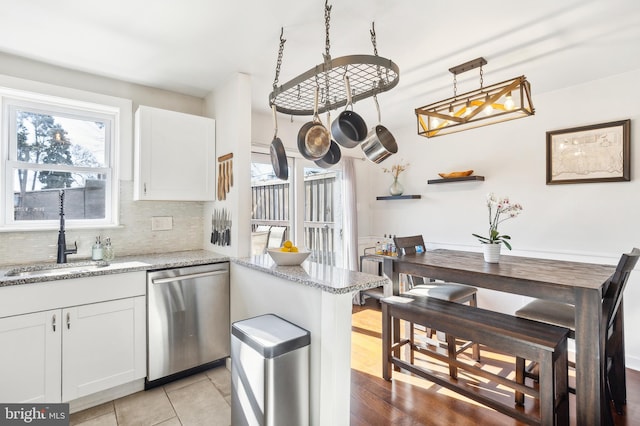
x=58 y=139
x=36 y=195
x=271 y=214
x=270 y=195
x=321 y=234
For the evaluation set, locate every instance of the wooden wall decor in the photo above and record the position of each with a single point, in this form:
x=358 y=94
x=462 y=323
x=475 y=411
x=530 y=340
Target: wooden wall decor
x=225 y=175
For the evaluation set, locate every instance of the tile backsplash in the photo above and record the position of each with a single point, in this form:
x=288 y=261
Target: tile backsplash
x=133 y=236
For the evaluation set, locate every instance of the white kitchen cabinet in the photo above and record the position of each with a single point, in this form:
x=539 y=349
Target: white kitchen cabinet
x=58 y=355
x=30 y=358
x=103 y=346
x=174 y=156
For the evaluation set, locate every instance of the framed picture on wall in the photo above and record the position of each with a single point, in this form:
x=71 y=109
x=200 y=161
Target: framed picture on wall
x=594 y=153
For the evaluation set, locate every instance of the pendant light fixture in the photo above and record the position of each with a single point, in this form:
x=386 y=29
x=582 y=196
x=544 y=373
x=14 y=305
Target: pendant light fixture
x=500 y=102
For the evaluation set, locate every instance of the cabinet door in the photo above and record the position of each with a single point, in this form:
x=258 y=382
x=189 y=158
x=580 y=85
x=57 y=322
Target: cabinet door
x=103 y=346
x=30 y=348
x=174 y=156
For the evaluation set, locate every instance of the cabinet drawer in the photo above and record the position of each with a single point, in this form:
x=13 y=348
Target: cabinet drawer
x=26 y=298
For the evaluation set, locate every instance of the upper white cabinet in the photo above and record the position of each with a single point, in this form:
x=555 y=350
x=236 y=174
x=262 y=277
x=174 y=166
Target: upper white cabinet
x=174 y=156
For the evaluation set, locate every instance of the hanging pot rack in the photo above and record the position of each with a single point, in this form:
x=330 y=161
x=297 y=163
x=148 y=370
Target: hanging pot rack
x=368 y=75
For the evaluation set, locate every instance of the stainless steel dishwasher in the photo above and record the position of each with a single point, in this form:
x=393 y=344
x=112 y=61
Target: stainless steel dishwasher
x=187 y=320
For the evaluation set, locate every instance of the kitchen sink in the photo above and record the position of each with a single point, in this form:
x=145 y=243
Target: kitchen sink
x=28 y=271
x=67 y=268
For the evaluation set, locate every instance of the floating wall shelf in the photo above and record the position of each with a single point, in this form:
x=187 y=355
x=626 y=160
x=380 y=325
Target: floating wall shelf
x=399 y=197
x=457 y=179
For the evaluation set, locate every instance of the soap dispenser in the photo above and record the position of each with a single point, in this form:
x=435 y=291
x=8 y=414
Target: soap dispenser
x=96 y=250
x=107 y=250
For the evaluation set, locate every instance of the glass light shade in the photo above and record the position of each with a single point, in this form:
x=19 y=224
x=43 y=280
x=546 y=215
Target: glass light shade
x=508 y=102
x=488 y=108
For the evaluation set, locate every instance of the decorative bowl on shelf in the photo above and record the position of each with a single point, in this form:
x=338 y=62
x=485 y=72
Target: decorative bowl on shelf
x=455 y=174
x=286 y=258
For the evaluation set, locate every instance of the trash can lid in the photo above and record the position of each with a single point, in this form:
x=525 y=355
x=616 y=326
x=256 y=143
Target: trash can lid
x=270 y=335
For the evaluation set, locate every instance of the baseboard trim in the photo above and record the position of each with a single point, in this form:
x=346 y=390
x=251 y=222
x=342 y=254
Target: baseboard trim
x=105 y=396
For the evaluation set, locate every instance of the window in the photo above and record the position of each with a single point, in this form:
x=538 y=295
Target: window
x=322 y=215
x=306 y=207
x=53 y=144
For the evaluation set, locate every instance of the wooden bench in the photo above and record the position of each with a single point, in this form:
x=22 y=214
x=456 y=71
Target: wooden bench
x=530 y=340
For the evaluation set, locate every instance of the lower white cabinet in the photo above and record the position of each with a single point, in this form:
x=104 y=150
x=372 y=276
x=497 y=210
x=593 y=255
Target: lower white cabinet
x=103 y=345
x=30 y=358
x=59 y=355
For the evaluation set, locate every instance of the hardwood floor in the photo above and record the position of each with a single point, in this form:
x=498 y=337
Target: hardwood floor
x=409 y=400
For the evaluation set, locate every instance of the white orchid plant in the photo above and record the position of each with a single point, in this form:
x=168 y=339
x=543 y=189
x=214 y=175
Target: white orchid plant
x=500 y=209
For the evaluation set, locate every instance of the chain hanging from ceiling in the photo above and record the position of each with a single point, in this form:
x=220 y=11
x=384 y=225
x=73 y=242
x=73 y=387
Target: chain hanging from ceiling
x=368 y=76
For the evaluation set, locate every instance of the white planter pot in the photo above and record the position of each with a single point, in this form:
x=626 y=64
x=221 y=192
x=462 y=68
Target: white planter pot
x=491 y=252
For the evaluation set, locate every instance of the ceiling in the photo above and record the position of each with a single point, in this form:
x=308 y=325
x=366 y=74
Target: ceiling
x=192 y=46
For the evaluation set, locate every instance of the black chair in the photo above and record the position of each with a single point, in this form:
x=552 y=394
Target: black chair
x=426 y=287
x=563 y=314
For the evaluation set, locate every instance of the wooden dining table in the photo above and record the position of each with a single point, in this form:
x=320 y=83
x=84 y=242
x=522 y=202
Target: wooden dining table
x=580 y=284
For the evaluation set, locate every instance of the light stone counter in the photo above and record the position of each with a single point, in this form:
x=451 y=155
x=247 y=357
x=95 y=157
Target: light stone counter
x=76 y=268
x=324 y=277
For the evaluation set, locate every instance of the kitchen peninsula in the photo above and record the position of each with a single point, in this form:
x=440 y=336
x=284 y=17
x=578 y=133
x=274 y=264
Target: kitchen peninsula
x=317 y=298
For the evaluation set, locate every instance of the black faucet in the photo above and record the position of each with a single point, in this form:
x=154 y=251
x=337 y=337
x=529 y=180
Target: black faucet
x=63 y=251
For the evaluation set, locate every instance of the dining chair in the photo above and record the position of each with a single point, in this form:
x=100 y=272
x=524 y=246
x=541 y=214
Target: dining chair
x=259 y=241
x=563 y=314
x=276 y=236
x=424 y=286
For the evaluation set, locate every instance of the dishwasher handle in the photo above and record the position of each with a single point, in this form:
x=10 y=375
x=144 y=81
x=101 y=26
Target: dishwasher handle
x=188 y=277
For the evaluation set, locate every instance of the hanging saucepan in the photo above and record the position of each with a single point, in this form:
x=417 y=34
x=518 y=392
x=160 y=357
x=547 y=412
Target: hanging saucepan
x=314 y=139
x=379 y=143
x=332 y=157
x=349 y=129
x=278 y=155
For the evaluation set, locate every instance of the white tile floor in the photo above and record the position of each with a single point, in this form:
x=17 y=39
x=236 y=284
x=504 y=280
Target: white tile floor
x=203 y=399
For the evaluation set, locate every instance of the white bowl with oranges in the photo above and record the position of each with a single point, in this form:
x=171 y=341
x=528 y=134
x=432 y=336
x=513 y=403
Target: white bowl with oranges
x=288 y=254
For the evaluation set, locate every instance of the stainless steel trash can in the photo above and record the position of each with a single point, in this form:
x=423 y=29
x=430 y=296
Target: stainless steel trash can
x=269 y=372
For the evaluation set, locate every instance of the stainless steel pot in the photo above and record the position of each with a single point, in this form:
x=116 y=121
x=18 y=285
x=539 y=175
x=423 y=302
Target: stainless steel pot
x=379 y=143
x=314 y=140
x=349 y=128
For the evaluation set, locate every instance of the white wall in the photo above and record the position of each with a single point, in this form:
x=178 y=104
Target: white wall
x=230 y=105
x=139 y=94
x=593 y=222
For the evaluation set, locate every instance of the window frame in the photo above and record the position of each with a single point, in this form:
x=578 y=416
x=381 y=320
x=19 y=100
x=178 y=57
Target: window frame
x=14 y=99
x=297 y=200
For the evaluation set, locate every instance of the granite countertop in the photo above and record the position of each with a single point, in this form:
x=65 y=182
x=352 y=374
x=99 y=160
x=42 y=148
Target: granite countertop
x=28 y=273
x=325 y=277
